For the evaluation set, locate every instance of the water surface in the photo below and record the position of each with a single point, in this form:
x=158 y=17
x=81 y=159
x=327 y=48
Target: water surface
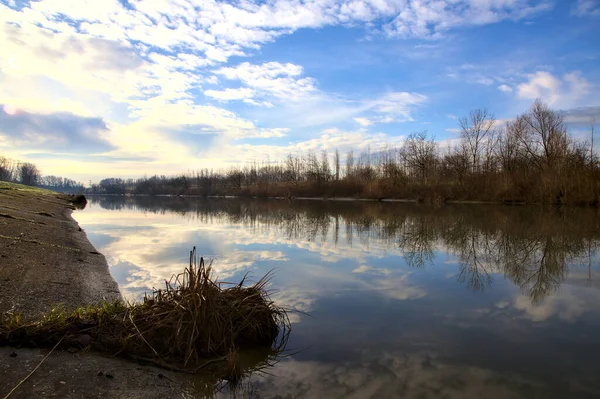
x=394 y=300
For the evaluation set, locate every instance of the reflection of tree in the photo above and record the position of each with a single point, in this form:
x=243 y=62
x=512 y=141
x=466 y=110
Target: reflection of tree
x=533 y=247
x=540 y=266
x=417 y=242
x=473 y=266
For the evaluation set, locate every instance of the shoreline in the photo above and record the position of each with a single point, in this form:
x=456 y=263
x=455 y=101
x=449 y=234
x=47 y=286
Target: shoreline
x=46 y=259
x=47 y=256
x=345 y=199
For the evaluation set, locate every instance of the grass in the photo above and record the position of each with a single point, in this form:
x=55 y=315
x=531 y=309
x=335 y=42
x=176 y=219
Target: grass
x=191 y=323
x=78 y=200
x=4 y=185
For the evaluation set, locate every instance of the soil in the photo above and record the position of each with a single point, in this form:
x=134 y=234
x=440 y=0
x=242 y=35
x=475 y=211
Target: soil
x=47 y=260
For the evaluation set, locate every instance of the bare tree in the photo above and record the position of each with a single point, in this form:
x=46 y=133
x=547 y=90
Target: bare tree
x=456 y=163
x=349 y=164
x=293 y=168
x=420 y=154
x=29 y=174
x=592 y=126
x=474 y=130
x=314 y=168
x=545 y=138
x=336 y=161
x=509 y=143
x=325 y=169
x=7 y=167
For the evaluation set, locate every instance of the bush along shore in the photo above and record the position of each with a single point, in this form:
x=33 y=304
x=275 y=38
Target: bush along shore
x=194 y=323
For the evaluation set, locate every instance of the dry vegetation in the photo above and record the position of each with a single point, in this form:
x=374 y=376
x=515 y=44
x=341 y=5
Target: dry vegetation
x=532 y=158
x=191 y=323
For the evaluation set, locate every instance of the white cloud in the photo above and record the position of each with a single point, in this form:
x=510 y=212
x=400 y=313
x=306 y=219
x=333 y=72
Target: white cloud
x=476 y=74
x=219 y=30
x=557 y=92
x=361 y=269
x=568 y=304
x=231 y=94
x=586 y=8
x=391 y=373
x=363 y=121
x=325 y=109
x=328 y=140
x=283 y=81
x=505 y=88
x=398 y=105
x=140 y=67
x=483 y=80
x=424 y=18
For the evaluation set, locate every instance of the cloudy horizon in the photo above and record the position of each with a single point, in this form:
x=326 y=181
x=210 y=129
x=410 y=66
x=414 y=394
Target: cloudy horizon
x=92 y=89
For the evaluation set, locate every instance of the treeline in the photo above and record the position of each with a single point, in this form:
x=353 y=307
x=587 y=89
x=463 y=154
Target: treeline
x=29 y=174
x=532 y=158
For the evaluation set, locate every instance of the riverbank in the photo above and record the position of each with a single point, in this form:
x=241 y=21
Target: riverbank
x=47 y=260
x=46 y=257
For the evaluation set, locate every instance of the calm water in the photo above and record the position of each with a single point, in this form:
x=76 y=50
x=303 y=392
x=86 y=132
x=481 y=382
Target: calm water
x=404 y=300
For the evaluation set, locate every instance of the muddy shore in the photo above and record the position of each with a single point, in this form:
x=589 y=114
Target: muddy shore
x=46 y=260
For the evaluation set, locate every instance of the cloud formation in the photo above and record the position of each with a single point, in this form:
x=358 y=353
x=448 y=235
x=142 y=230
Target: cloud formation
x=61 y=132
x=277 y=73
x=585 y=8
x=272 y=79
x=560 y=92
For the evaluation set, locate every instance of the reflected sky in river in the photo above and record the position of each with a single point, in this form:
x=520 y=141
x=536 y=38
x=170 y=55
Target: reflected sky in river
x=403 y=300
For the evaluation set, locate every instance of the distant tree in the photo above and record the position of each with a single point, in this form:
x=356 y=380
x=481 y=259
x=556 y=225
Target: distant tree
x=325 y=169
x=545 y=137
x=336 y=161
x=420 y=154
x=592 y=126
x=314 y=168
x=508 y=149
x=6 y=169
x=349 y=164
x=474 y=130
x=457 y=163
x=29 y=174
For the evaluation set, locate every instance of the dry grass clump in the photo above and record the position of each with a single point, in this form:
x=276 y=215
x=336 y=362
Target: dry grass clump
x=190 y=322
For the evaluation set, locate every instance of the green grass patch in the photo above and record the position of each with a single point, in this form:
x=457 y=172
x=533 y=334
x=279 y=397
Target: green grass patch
x=21 y=187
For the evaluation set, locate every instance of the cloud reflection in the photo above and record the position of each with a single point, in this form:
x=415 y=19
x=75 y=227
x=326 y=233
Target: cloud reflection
x=403 y=300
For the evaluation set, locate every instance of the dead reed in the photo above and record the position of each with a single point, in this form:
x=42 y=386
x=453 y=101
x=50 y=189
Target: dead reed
x=192 y=322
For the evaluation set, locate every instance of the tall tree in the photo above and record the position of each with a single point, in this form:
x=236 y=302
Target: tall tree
x=336 y=161
x=545 y=137
x=349 y=164
x=474 y=130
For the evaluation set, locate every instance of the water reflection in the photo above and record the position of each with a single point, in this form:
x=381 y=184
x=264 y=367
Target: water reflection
x=404 y=300
x=531 y=246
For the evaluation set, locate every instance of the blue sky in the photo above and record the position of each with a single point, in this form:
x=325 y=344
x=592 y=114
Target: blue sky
x=90 y=89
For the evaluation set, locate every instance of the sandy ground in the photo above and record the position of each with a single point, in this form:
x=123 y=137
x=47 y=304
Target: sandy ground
x=46 y=259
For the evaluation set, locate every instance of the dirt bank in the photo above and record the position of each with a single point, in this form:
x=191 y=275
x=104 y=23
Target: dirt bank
x=46 y=259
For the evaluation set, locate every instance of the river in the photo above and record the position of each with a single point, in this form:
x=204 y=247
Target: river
x=390 y=299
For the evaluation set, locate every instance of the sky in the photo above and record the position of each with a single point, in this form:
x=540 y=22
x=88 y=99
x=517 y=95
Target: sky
x=127 y=88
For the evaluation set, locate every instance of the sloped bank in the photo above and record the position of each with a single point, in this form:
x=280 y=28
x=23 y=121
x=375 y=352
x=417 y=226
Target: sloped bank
x=45 y=261
x=45 y=257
